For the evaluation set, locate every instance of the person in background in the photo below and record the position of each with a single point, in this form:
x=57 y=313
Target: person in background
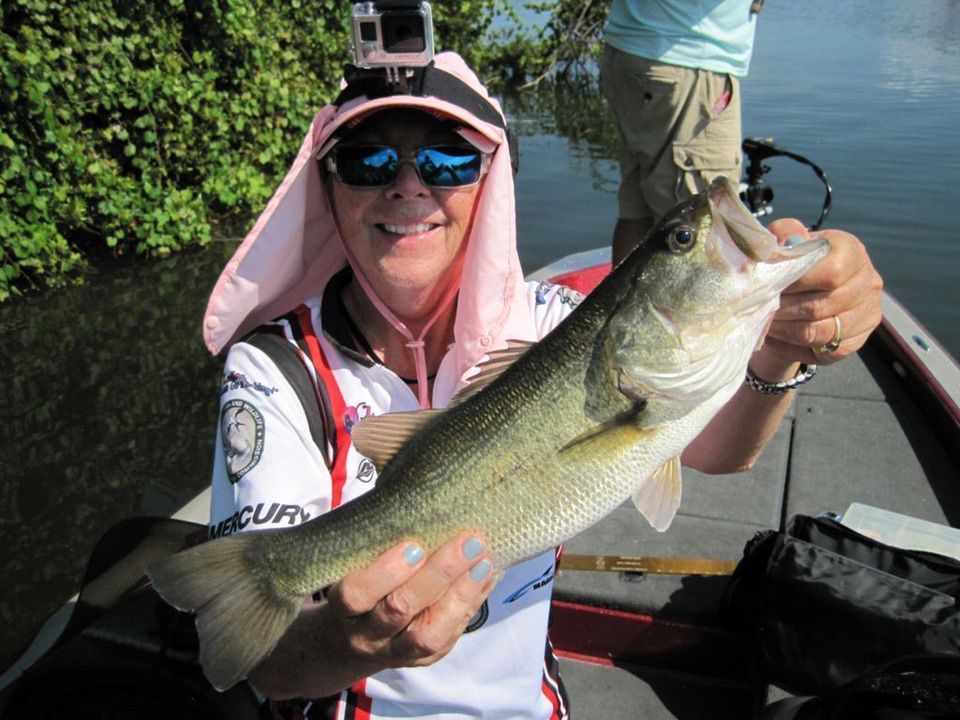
x=387 y=260
x=670 y=72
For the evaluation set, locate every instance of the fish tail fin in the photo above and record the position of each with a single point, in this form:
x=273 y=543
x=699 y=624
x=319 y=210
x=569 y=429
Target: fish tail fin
x=240 y=618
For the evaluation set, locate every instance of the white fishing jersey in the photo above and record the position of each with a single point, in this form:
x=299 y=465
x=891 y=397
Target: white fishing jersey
x=269 y=472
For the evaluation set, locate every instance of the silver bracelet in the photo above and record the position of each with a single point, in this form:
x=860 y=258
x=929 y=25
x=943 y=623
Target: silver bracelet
x=804 y=375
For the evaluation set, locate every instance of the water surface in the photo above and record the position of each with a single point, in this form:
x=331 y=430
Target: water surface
x=869 y=91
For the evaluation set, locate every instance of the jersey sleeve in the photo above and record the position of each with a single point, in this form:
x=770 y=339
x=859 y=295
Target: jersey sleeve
x=267 y=471
x=550 y=304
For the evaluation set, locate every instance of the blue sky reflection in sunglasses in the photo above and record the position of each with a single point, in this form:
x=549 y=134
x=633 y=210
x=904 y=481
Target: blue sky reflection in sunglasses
x=379 y=165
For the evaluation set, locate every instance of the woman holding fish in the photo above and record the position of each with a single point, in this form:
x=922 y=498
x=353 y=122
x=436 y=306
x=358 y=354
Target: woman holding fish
x=387 y=259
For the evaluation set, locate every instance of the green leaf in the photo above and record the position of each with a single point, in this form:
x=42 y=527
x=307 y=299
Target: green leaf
x=139 y=124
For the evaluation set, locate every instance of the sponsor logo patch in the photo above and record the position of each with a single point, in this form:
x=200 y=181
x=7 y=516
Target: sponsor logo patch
x=480 y=619
x=566 y=295
x=353 y=415
x=367 y=471
x=260 y=514
x=542 y=289
x=570 y=297
x=234 y=380
x=241 y=429
x=545 y=579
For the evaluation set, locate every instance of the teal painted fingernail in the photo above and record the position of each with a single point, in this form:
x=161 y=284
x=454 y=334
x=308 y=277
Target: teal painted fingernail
x=480 y=570
x=412 y=554
x=472 y=548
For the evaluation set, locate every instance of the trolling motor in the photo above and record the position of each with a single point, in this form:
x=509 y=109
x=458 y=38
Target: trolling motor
x=757 y=194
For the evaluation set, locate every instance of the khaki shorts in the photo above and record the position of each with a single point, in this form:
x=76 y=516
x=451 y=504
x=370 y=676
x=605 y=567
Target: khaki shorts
x=676 y=134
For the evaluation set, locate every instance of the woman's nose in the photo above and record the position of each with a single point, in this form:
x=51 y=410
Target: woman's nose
x=408 y=182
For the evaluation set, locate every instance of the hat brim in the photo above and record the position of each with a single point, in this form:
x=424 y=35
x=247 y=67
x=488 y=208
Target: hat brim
x=359 y=109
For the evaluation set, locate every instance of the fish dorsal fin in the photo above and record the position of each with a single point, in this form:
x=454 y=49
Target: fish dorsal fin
x=490 y=369
x=659 y=497
x=379 y=437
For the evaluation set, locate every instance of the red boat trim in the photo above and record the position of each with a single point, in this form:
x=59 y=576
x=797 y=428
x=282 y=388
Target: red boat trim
x=583 y=280
x=608 y=637
x=908 y=356
x=923 y=384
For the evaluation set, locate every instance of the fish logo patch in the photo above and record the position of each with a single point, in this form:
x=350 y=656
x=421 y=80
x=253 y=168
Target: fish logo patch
x=241 y=430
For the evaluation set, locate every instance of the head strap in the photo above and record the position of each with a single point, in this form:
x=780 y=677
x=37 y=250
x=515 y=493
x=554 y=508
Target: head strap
x=427 y=81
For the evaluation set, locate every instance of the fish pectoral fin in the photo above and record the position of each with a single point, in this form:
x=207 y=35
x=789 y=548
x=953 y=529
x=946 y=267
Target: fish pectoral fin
x=379 y=437
x=658 y=498
x=490 y=369
x=618 y=432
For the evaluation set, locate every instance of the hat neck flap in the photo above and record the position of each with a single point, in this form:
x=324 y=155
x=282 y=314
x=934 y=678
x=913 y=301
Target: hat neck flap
x=294 y=248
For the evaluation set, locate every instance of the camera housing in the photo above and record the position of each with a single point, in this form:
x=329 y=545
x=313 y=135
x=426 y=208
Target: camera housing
x=392 y=34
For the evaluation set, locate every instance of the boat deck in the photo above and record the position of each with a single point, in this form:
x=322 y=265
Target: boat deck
x=854 y=434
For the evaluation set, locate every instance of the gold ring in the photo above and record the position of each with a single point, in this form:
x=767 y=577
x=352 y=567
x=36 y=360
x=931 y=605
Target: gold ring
x=834 y=343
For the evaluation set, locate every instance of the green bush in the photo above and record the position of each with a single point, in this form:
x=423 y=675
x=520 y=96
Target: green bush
x=139 y=126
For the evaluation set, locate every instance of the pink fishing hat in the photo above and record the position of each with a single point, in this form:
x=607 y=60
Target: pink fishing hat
x=294 y=247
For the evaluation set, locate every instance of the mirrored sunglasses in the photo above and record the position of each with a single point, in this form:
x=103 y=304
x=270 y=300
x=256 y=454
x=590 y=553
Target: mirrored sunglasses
x=446 y=166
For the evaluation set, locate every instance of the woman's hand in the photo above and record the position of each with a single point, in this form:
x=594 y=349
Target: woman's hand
x=405 y=610
x=402 y=610
x=837 y=303
x=839 y=297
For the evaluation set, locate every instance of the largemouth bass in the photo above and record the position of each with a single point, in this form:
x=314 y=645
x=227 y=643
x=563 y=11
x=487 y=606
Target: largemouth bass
x=548 y=439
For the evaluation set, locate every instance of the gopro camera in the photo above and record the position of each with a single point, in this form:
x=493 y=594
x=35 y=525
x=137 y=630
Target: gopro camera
x=392 y=34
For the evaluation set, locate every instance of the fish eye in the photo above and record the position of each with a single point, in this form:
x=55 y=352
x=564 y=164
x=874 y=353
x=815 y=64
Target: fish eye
x=681 y=239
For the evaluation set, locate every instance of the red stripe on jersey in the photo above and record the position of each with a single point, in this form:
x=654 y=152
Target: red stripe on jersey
x=356 y=704
x=338 y=474
x=552 y=686
x=552 y=698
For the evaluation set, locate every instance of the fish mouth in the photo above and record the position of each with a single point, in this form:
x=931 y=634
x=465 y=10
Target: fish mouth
x=746 y=232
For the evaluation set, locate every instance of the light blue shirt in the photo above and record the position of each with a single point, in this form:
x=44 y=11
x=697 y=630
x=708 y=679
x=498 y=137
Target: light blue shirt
x=714 y=35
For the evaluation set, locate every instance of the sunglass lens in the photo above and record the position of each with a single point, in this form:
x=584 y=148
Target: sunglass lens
x=378 y=165
x=449 y=166
x=367 y=166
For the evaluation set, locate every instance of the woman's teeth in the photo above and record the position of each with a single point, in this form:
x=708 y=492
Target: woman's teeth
x=408 y=229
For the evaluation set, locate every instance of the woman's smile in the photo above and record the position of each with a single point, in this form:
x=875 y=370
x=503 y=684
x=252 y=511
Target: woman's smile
x=407 y=229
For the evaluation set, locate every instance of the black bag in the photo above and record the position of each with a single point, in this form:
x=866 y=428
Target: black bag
x=916 y=688
x=827 y=604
